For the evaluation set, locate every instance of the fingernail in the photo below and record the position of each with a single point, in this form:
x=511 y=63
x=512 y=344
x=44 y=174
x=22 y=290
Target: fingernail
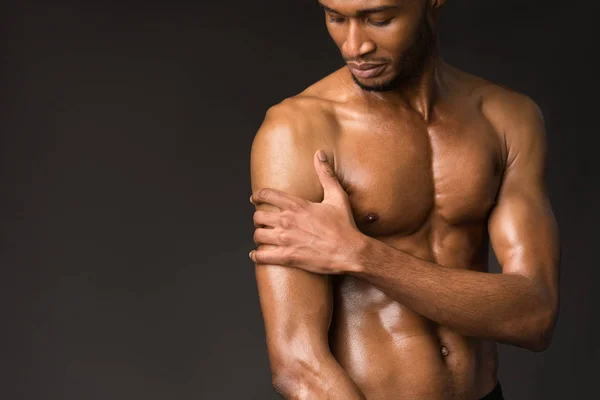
x=321 y=155
x=251 y=199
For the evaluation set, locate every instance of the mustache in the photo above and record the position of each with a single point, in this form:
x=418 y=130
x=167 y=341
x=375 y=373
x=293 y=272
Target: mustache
x=362 y=60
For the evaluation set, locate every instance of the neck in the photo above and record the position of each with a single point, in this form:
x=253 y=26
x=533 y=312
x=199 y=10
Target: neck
x=420 y=92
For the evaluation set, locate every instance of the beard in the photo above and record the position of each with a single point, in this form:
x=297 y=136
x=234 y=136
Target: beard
x=412 y=62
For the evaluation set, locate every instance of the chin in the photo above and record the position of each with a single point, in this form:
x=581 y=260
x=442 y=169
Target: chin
x=376 y=84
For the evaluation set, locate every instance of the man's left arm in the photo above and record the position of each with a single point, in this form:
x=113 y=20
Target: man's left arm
x=518 y=306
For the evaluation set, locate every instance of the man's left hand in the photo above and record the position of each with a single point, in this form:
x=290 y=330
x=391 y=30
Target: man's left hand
x=317 y=237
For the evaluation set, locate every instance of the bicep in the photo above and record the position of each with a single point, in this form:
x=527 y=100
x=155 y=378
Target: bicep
x=296 y=304
x=524 y=236
x=523 y=229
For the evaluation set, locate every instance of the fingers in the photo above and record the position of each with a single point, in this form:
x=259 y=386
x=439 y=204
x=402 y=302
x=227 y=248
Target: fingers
x=322 y=165
x=275 y=256
x=277 y=198
x=263 y=218
x=275 y=237
x=332 y=188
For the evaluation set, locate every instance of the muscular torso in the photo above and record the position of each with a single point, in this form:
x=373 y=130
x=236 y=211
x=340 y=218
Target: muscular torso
x=424 y=187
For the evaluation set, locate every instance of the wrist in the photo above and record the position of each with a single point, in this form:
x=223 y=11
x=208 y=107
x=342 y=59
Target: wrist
x=361 y=248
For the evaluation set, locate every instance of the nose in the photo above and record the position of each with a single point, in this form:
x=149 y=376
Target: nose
x=357 y=43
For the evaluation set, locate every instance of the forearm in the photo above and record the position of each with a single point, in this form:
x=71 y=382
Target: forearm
x=507 y=308
x=317 y=378
x=296 y=307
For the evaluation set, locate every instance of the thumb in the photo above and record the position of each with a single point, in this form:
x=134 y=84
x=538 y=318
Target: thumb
x=331 y=186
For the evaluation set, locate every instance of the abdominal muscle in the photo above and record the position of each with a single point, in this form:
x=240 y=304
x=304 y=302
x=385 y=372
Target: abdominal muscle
x=393 y=353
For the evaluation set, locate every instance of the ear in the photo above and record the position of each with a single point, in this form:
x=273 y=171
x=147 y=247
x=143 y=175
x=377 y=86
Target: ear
x=437 y=3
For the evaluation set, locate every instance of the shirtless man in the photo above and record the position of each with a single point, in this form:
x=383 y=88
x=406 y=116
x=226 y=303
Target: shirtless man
x=372 y=265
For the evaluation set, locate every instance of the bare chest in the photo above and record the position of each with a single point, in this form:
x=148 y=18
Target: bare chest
x=398 y=175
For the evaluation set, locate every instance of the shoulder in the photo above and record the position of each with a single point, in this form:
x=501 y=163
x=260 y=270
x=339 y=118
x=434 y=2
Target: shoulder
x=295 y=116
x=313 y=107
x=284 y=145
x=507 y=109
x=502 y=106
x=516 y=118
x=301 y=123
x=296 y=124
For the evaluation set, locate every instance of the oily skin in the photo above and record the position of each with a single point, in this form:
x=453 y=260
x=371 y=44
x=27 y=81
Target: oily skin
x=372 y=265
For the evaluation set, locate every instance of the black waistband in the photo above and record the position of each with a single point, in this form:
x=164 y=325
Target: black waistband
x=495 y=394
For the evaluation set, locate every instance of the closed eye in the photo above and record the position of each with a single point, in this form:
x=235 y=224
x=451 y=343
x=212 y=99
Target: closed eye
x=380 y=23
x=336 y=20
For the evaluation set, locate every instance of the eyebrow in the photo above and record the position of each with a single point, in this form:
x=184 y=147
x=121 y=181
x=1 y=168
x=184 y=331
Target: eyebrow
x=361 y=12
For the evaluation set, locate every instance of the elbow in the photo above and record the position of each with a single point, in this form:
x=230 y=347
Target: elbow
x=294 y=377
x=541 y=330
x=539 y=343
x=542 y=337
x=285 y=379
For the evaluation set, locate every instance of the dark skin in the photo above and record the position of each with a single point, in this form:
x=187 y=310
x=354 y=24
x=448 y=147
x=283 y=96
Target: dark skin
x=372 y=265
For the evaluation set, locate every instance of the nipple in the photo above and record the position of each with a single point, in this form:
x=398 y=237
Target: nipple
x=444 y=351
x=371 y=217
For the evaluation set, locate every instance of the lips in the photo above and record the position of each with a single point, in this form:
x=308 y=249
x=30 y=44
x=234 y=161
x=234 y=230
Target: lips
x=366 y=70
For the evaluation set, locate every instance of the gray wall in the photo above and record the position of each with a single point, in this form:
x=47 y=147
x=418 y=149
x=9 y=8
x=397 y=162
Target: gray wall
x=125 y=183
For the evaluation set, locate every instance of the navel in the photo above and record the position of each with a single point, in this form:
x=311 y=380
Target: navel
x=444 y=350
x=371 y=217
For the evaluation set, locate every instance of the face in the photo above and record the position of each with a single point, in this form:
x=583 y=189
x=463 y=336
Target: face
x=384 y=42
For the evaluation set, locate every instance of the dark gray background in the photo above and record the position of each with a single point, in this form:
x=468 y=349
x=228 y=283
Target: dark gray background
x=125 y=222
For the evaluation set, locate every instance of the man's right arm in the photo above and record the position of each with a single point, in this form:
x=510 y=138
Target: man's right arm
x=296 y=305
